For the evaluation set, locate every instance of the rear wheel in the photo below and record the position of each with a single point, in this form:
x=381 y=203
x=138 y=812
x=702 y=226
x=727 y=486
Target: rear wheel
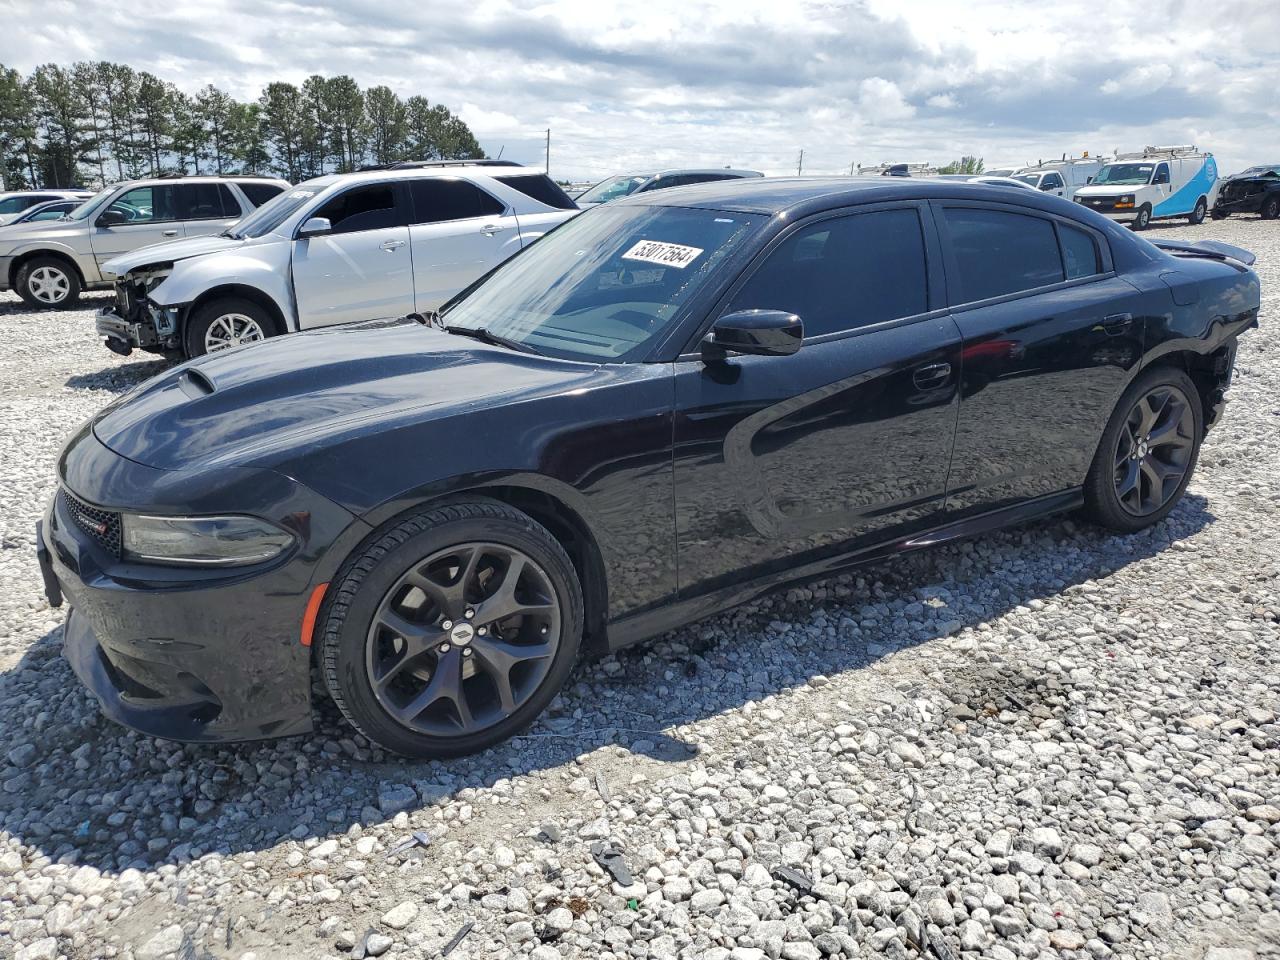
x=453 y=631
x=1271 y=208
x=1147 y=453
x=48 y=282
x=1196 y=216
x=1219 y=214
x=1143 y=219
x=226 y=323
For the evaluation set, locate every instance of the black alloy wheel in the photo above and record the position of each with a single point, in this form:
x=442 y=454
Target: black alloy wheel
x=1147 y=453
x=463 y=639
x=1153 y=452
x=452 y=630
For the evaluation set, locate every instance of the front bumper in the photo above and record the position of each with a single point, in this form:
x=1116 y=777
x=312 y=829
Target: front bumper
x=123 y=335
x=1250 y=203
x=200 y=655
x=6 y=264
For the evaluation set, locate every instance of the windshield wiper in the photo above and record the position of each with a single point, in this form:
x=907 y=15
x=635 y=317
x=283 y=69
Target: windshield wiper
x=488 y=336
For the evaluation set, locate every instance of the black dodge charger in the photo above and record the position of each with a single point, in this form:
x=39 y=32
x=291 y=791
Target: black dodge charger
x=666 y=406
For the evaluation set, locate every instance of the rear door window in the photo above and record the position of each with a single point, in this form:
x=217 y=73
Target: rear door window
x=146 y=204
x=363 y=208
x=443 y=199
x=998 y=253
x=205 y=201
x=844 y=273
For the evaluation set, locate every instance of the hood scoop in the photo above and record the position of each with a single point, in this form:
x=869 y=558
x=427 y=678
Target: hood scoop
x=196 y=384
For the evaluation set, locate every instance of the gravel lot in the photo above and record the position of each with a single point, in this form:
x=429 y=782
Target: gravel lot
x=1046 y=743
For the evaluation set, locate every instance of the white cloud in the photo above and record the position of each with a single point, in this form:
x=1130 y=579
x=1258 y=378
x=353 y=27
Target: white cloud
x=746 y=82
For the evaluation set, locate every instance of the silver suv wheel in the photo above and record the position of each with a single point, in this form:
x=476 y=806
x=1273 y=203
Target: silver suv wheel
x=49 y=284
x=231 y=330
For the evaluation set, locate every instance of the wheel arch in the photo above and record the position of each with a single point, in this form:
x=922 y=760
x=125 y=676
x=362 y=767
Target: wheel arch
x=22 y=259
x=1208 y=371
x=244 y=291
x=566 y=525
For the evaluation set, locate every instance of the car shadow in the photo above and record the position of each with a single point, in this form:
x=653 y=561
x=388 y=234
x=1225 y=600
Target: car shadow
x=11 y=305
x=77 y=788
x=120 y=377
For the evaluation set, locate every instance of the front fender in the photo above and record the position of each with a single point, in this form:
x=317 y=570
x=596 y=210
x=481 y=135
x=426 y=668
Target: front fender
x=266 y=271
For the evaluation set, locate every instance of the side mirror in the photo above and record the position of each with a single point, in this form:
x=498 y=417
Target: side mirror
x=111 y=218
x=761 y=333
x=315 y=225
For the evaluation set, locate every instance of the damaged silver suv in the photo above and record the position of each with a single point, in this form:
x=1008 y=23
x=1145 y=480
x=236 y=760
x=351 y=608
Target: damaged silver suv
x=49 y=262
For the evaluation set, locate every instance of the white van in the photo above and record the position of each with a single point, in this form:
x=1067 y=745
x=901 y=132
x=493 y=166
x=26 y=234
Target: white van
x=1156 y=184
x=1064 y=177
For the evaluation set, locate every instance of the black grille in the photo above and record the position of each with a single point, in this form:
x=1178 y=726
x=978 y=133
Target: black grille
x=102 y=526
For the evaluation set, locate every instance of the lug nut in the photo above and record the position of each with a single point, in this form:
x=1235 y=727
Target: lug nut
x=466 y=651
x=543 y=630
x=469 y=614
x=444 y=648
x=446 y=625
x=482 y=631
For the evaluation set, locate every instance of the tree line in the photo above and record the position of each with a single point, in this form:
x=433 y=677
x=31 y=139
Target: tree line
x=100 y=122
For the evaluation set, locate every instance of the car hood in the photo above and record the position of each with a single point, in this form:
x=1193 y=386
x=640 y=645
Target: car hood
x=58 y=231
x=170 y=251
x=249 y=405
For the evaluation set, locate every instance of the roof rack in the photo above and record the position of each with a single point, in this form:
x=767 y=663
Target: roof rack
x=1186 y=150
x=427 y=164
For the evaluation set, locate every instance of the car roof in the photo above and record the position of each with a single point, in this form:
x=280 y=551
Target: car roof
x=403 y=173
x=801 y=196
x=212 y=178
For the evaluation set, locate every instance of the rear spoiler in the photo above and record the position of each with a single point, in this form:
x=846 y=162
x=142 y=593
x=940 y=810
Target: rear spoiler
x=1206 y=248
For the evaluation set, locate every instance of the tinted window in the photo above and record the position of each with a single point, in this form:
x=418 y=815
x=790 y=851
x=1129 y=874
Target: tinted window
x=1079 y=252
x=1053 y=180
x=542 y=188
x=998 y=253
x=145 y=204
x=15 y=204
x=259 y=193
x=1162 y=174
x=842 y=274
x=363 y=208
x=205 y=201
x=439 y=200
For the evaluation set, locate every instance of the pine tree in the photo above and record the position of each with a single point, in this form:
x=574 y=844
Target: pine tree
x=388 y=124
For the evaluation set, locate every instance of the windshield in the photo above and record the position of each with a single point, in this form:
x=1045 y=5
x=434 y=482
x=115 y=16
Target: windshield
x=613 y=188
x=605 y=285
x=1124 y=174
x=90 y=206
x=1260 y=172
x=278 y=209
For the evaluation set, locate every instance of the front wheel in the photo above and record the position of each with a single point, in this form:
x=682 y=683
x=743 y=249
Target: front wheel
x=1143 y=219
x=226 y=323
x=45 y=282
x=1147 y=453
x=452 y=631
x=1219 y=214
x=1271 y=209
x=1196 y=217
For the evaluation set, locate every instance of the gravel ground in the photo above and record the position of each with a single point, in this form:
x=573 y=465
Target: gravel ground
x=1050 y=742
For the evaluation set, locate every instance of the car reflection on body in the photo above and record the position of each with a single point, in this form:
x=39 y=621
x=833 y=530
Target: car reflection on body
x=666 y=406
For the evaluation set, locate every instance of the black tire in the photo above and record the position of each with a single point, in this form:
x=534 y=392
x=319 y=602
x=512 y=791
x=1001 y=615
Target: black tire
x=1219 y=214
x=351 y=635
x=1143 y=219
x=48 y=283
x=1196 y=217
x=232 y=314
x=1103 y=501
x=1271 y=207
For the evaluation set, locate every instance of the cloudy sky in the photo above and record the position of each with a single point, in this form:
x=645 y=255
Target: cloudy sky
x=655 y=83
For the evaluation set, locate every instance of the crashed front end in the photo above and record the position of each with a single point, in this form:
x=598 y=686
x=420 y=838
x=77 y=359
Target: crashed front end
x=135 y=320
x=1245 y=194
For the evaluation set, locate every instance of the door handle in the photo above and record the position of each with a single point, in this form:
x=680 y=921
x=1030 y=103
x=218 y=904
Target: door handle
x=169 y=233
x=392 y=245
x=932 y=375
x=489 y=229
x=1117 y=324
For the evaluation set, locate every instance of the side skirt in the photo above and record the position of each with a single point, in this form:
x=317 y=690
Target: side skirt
x=641 y=626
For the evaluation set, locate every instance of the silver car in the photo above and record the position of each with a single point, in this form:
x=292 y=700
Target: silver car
x=357 y=246
x=50 y=262
x=614 y=188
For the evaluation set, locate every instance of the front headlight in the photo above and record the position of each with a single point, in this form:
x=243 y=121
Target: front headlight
x=201 y=541
x=1125 y=202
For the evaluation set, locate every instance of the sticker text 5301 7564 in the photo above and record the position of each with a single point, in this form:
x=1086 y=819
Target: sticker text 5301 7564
x=668 y=254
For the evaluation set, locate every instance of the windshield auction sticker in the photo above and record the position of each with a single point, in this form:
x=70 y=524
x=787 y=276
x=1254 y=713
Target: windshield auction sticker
x=667 y=254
